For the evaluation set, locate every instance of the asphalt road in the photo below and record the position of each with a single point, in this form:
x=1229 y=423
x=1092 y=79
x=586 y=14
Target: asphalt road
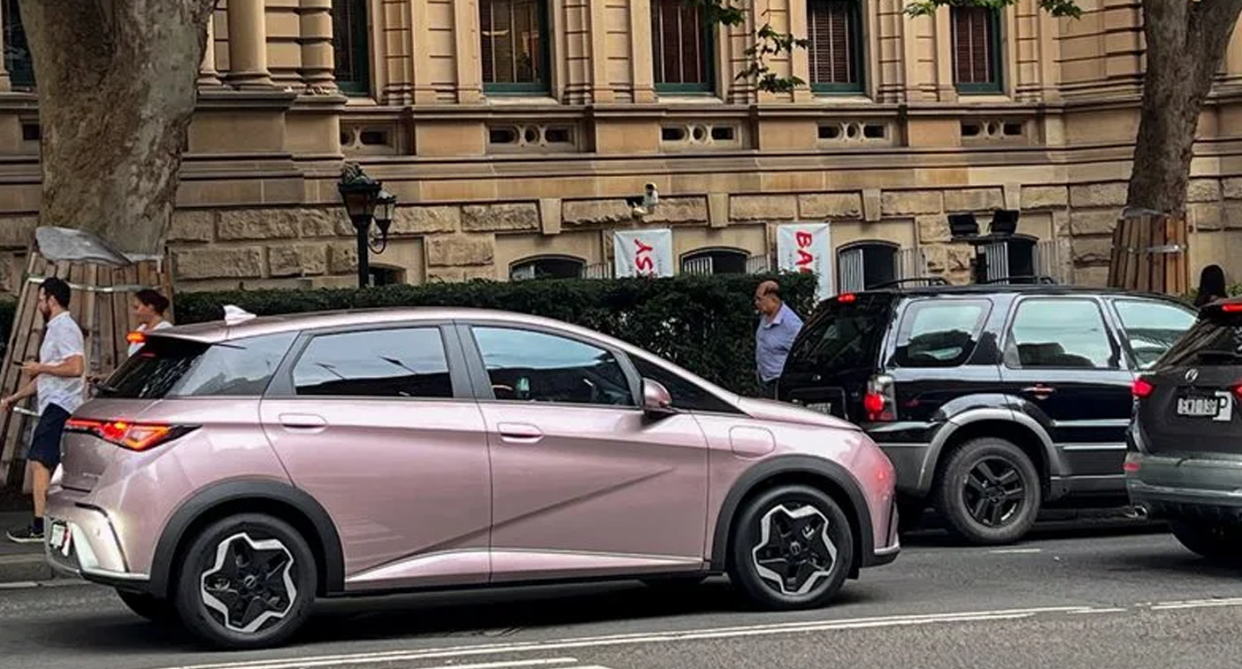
x=1091 y=598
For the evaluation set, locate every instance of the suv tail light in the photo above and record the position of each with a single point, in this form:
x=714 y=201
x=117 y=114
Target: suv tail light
x=129 y=435
x=1142 y=388
x=1237 y=391
x=880 y=402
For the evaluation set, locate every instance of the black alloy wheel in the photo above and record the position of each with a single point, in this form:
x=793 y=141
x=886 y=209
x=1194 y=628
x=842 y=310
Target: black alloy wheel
x=989 y=492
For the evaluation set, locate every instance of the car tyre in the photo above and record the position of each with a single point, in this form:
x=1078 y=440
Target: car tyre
x=258 y=568
x=781 y=557
x=1217 y=542
x=989 y=493
x=155 y=609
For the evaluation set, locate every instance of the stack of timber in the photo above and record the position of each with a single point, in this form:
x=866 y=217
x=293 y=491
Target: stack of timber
x=102 y=280
x=1150 y=253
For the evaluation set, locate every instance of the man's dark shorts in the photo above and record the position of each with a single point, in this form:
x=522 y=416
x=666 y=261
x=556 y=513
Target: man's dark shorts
x=45 y=446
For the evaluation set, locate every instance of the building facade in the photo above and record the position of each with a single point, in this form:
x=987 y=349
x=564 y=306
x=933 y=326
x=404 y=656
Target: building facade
x=513 y=130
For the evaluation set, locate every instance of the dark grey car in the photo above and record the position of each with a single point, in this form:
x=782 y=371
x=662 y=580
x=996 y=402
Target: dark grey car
x=1185 y=445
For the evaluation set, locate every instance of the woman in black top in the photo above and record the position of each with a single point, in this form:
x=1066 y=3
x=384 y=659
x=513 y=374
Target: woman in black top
x=1211 y=285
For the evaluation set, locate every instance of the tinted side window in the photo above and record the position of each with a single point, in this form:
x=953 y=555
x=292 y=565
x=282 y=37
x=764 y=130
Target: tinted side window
x=1152 y=327
x=528 y=366
x=398 y=362
x=1061 y=334
x=687 y=396
x=940 y=333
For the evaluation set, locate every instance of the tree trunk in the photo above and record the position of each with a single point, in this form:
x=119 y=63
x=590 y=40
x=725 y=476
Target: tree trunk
x=1186 y=42
x=117 y=89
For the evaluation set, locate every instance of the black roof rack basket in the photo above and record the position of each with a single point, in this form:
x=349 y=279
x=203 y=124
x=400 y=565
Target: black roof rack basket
x=918 y=281
x=1021 y=280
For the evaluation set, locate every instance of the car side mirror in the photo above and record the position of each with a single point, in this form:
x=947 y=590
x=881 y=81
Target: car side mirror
x=657 y=401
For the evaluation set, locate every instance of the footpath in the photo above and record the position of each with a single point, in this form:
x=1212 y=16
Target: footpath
x=20 y=563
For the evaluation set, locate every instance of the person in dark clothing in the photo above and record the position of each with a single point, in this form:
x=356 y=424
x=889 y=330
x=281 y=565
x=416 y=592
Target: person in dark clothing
x=1212 y=286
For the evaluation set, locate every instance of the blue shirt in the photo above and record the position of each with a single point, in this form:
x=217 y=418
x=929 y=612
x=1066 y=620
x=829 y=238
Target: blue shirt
x=773 y=339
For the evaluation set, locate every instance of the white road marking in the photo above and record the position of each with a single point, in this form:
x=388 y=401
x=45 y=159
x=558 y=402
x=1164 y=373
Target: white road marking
x=502 y=665
x=1197 y=604
x=641 y=638
x=28 y=585
x=1015 y=551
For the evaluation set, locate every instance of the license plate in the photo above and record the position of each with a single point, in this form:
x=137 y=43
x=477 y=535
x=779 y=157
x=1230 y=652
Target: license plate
x=822 y=407
x=1218 y=407
x=59 y=538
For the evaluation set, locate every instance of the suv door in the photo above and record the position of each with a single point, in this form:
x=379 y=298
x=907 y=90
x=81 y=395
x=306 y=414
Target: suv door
x=380 y=426
x=1065 y=367
x=583 y=482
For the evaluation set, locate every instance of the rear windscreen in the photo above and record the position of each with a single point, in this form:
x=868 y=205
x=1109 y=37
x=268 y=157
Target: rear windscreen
x=843 y=336
x=167 y=367
x=1212 y=340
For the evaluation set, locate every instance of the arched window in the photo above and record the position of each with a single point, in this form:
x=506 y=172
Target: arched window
x=547 y=267
x=864 y=265
x=17 y=58
x=715 y=261
x=350 y=46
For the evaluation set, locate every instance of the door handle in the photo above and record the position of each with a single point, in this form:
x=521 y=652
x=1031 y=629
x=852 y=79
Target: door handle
x=303 y=422
x=1039 y=390
x=519 y=433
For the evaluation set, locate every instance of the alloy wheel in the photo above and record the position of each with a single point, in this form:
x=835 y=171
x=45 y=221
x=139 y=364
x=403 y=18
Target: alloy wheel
x=994 y=492
x=250 y=584
x=794 y=552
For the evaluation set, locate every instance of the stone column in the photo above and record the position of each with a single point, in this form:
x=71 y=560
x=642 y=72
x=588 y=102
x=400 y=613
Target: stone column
x=248 y=44
x=208 y=77
x=318 y=62
x=466 y=50
x=641 y=61
x=6 y=84
x=601 y=87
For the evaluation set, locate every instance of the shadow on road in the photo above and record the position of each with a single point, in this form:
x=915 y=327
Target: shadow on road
x=455 y=617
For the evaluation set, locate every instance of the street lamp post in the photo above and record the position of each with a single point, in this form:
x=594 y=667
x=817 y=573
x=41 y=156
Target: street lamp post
x=366 y=200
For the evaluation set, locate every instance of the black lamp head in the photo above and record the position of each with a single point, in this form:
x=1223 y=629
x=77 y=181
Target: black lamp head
x=1004 y=222
x=963 y=225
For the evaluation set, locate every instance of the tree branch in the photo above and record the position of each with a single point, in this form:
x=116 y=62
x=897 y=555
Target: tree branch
x=1211 y=25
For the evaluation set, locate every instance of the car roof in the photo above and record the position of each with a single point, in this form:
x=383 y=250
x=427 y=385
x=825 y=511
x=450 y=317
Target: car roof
x=222 y=330
x=1017 y=289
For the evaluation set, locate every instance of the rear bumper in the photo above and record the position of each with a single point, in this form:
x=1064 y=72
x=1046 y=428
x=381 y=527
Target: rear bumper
x=878 y=557
x=1184 y=487
x=92 y=549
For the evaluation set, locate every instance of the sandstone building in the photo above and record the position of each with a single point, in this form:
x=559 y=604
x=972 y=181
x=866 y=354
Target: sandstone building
x=512 y=131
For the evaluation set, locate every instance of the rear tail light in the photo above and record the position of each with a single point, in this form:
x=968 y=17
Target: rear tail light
x=136 y=337
x=847 y=298
x=129 y=435
x=1142 y=389
x=1234 y=308
x=880 y=401
x=1237 y=391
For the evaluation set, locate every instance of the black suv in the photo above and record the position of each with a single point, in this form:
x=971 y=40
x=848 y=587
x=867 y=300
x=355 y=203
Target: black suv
x=1185 y=459
x=990 y=400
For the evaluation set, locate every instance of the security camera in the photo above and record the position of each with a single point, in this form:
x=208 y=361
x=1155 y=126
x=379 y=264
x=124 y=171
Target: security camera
x=643 y=205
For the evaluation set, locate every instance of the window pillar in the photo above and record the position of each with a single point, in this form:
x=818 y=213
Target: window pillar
x=248 y=44
x=318 y=62
x=208 y=77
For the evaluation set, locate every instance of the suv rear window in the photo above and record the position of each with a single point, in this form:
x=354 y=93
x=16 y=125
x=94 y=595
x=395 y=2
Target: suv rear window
x=1212 y=340
x=940 y=332
x=843 y=335
x=169 y=367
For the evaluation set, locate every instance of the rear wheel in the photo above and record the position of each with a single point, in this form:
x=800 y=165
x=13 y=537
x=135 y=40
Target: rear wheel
x=1215 y=541
x=989 y=493
x=160 y=611
x=792 y=548
x=248 y=581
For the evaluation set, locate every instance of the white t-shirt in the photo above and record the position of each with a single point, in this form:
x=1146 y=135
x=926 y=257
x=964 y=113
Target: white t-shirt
x=61 y=341
x=134 y=348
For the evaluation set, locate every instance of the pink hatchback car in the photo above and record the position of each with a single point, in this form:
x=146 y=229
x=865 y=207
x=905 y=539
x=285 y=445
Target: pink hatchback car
x=232 y=472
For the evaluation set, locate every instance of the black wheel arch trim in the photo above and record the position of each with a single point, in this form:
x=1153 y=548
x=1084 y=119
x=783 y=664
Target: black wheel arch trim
x=757 y=476
x=174 y=533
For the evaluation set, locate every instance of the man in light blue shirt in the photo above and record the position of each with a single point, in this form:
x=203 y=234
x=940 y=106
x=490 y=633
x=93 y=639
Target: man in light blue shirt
x=778 y=327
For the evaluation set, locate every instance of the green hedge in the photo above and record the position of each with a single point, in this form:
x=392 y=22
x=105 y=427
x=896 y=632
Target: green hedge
x=705 y=324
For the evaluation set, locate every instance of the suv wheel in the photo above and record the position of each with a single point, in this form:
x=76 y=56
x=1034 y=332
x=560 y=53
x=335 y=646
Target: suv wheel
x=248 y=581
x=990 y=492
x=152 y=608
x=791 y=548
x=1214 y=541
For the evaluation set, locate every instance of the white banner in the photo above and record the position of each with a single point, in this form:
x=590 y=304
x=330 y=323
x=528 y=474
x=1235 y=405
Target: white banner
x=807 y=247
x=643 y=252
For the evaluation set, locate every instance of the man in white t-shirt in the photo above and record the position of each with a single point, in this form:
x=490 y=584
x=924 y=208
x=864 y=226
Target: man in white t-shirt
x=58 y=380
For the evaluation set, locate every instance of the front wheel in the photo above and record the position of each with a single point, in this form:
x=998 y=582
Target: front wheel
x=248 y=581
x=792 y=548
x=989 y=493
x=1215 y=541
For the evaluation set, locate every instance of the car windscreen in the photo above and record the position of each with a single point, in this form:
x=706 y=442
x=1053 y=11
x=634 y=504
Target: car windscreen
x=171 y=367
x=843 y=334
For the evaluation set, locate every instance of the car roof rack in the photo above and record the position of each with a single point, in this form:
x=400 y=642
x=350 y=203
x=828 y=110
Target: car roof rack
x=1022 y=279
x=921 y=281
